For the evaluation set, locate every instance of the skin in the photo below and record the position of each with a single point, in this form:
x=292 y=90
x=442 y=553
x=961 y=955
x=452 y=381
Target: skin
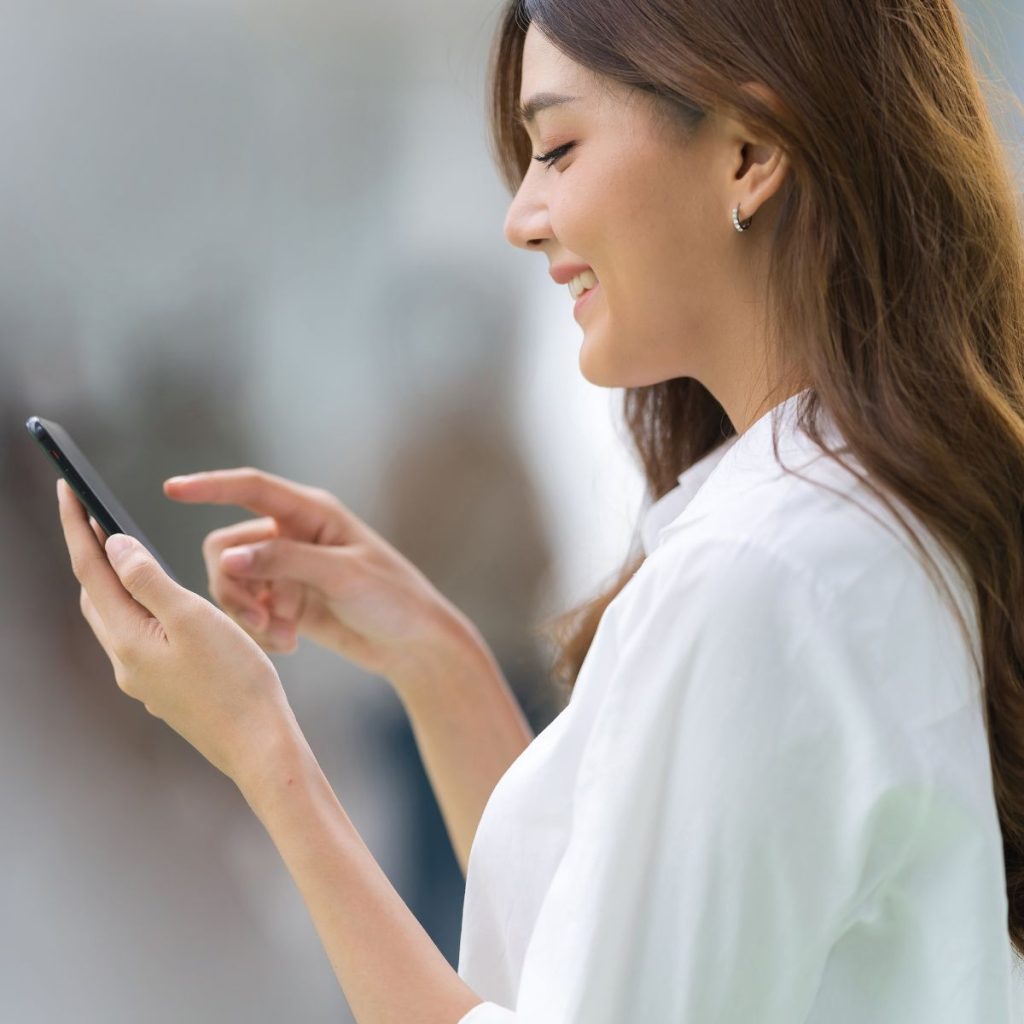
x=198 y=671
x=682 y=293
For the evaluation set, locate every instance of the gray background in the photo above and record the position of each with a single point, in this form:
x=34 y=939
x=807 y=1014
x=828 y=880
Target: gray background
x=266 y=233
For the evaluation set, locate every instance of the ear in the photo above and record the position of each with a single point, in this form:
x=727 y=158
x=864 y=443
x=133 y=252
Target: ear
x=760 y=165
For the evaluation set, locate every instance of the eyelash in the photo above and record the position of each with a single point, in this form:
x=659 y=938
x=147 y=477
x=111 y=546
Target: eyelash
x=554 y=155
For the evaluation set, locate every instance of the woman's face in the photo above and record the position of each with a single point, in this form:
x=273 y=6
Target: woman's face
x=650 y=213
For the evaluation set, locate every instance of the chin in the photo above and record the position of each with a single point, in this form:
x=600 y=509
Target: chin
x=604 y=373
x=596 y=371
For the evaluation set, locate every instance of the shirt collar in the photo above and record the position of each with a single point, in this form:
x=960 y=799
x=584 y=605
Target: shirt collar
x=670 y=506
x=736 y=465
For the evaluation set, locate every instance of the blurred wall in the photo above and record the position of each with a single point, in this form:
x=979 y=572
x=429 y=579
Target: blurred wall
x=265 y=233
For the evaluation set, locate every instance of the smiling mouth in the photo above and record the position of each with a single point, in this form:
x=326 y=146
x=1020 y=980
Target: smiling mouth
x=583 y=282
x=584 y=297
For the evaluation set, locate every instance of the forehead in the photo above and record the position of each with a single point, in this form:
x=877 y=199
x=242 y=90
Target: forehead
x=546 y=67
x=547 y=70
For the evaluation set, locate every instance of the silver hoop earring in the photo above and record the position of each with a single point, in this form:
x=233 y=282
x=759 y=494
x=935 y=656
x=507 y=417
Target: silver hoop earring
x=737 y=223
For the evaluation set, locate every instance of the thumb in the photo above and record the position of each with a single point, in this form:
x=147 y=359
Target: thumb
x=142 y=576
x=284 y=559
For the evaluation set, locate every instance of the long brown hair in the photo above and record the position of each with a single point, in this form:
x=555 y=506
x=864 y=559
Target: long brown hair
x=897 y=271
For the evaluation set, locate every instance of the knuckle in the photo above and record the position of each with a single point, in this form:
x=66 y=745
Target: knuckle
x=216 y=539
x=326 y=503
x=122 y=654
x=320 y=495
x=138 y=573
x=327 y=500
x=210 y=543
x=260 y=553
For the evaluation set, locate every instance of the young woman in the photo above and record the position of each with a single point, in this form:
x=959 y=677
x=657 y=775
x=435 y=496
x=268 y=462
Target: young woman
x=789 y=783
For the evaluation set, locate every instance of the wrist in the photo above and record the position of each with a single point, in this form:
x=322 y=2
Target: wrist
x=278 y=758
x=455 y=649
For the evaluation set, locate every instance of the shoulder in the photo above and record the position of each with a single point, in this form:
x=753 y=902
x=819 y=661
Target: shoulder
x=720 y=588
x=825 y=528
x=794 y=570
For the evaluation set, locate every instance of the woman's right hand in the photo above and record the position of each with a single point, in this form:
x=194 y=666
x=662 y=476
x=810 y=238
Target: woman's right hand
x=316 y=570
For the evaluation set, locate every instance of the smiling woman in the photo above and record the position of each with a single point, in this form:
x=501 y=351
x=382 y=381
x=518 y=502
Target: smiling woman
x=787 y=784
x=801 y=210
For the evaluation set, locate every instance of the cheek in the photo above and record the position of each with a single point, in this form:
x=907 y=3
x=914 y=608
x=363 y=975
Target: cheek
x=647 y=233
x=579 y=219
x=665 y=278
x=674 y=252
x=591 y=208
x=653 y=252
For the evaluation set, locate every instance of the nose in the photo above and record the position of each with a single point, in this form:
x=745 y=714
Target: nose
x=526 y=224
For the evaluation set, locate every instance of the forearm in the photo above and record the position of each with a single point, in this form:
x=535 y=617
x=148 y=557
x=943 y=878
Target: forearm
x=388 y=967
x=468 y=726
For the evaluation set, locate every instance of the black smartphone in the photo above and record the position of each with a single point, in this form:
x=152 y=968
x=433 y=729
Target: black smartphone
x=95 y=495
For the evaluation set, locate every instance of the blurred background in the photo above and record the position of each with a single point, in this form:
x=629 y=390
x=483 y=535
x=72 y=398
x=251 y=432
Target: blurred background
x=269 y=233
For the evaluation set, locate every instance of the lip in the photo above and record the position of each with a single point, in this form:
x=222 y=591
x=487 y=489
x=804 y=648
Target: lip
x=564 y=273
x=582 y=301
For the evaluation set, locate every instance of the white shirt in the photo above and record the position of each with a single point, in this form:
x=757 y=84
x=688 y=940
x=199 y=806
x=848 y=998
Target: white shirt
x=769 y=799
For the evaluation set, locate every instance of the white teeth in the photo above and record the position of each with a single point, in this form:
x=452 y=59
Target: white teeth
x=581 y=283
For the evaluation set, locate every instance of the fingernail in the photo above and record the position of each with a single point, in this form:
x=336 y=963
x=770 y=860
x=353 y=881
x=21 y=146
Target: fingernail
x=253 y=619
x=236 y=558
x=177 y=479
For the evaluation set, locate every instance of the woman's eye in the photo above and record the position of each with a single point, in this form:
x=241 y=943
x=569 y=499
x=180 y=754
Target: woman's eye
x=554 y=155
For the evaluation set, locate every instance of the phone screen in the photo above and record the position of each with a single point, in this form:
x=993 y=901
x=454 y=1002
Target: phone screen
x=83 y=479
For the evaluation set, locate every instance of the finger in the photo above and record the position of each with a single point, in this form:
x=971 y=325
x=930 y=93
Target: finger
x=89 y=563
x=272 y=630
x=240 y=533
x=274 y=608
x=241 y=598
x=97 y=625
x=230 y=593
x=277 y=615
x=301 y=510
x=281 y=558
x=284 y=599
x=268 y=610
x=145 y=579
x=279 y=637
x=101 y=534
x=250 y=610
x=285 y=568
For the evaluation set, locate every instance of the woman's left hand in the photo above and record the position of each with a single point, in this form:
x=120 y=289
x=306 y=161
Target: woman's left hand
x=187 y=661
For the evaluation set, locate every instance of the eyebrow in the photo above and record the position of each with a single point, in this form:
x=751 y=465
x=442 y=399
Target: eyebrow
x=528 y=111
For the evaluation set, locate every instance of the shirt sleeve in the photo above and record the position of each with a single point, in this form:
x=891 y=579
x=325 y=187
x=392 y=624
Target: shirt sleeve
x=739 y=797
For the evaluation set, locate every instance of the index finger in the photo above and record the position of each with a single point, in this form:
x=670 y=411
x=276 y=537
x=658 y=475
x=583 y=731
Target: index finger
x=302 y=510
x=91 y=567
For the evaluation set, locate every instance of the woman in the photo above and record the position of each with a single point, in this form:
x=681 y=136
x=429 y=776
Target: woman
x=789 y=783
